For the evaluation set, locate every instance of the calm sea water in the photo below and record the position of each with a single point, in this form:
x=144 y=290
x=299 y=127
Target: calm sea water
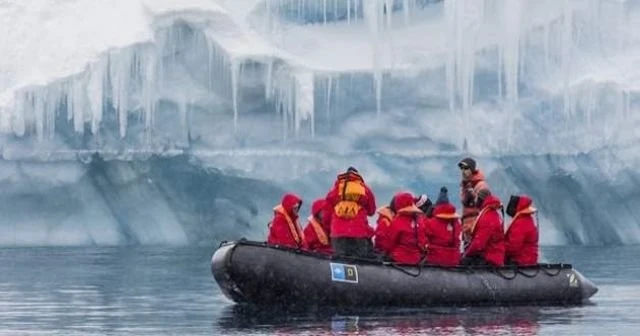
x=162 y=291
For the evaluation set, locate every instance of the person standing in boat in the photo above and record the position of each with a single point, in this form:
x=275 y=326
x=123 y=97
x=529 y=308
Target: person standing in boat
x=284 y=229
x=405 y=234
x=317 y=233
x=381 y=234
x=487 y=236
x=521 y=236
x=350 y=202
x=472 y=183
x=442 y=233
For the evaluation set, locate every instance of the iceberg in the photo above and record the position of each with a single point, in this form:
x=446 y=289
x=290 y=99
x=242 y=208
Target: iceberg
x=288 y=92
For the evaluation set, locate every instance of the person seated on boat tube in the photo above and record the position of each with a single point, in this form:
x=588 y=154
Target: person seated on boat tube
x=350 y=202
x=284 y=229
x=317 y=233
x=487 y=236
x=381 y=234
x=385 y=216
x=521 y=236
x=472 y=183
x=405 y=234
x=442 y=233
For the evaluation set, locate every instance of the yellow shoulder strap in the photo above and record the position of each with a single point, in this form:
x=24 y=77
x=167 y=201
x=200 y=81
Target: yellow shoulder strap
x=322 y=236
x=475 y=222
x=293 y=228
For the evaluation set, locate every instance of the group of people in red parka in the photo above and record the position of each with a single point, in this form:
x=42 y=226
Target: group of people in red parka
x=412 y=229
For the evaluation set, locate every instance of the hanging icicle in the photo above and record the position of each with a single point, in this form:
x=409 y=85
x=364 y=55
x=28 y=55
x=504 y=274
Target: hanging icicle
x=373 y=14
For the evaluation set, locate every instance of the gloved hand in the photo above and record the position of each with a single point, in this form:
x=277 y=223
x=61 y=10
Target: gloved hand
x=469 y=198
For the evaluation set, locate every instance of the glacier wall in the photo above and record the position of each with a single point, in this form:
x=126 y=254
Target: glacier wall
x=154 y=200
x=291 y=91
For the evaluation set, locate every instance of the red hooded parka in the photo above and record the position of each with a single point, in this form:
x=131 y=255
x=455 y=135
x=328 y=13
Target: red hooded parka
x=284 y=229
x=487 y=235
x=405 y=242
x=442 y=232
x=521 y=238
x=381 y=240
x=350 y=202
x=316 y=233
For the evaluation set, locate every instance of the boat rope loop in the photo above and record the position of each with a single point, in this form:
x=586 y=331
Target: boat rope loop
x=526 y=275
x=505 y=276
x=546 y=271
x=522 y=271
x=415 y=275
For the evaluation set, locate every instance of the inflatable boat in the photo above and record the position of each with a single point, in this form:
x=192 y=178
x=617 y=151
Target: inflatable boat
x=260 y=274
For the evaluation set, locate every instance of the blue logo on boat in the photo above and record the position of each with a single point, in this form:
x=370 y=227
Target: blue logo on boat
x=344 y=273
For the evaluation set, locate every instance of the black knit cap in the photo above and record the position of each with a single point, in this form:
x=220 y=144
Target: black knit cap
x=443 y=198
x=467 y=162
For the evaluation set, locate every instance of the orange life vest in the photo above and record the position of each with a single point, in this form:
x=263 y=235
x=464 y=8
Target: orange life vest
x=386 y=215
x=527 y=211
x=350 y=193
x=482 y=212
x=294 y=229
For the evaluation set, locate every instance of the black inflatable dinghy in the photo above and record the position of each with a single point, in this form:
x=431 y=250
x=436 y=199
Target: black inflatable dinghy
x=260 y=274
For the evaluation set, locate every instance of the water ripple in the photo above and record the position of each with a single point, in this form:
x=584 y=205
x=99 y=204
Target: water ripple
x=161 y=291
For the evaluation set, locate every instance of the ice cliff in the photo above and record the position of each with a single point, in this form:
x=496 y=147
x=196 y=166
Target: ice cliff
x=280 y=95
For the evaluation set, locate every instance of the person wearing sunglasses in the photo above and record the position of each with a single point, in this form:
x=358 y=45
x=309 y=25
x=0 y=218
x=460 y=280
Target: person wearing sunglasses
x=472 y=183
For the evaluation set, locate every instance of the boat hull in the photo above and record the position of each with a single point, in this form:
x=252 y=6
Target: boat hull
x=255 y=273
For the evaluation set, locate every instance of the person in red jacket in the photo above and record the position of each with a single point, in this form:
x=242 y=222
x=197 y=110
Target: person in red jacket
x=316 y=233
x=284 y=229
x=442 y=233
x=405 y=242
x=472 y=183
x=350 y=202
x=521 y=238
x=381 y=235
x=487 y=235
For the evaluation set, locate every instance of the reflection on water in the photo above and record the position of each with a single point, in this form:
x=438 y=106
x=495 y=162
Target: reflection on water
x=160 y=291
x=443 y=321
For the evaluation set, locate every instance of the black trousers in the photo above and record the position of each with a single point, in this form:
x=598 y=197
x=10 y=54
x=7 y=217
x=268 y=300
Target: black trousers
x=474 y=261
x=510 y=262
x=353 y=247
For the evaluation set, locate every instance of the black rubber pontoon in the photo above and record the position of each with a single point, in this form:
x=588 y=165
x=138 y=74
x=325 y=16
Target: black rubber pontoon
x=255 y=273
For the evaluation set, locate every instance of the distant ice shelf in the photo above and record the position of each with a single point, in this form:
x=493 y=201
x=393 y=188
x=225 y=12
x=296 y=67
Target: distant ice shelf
x=75 y=67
